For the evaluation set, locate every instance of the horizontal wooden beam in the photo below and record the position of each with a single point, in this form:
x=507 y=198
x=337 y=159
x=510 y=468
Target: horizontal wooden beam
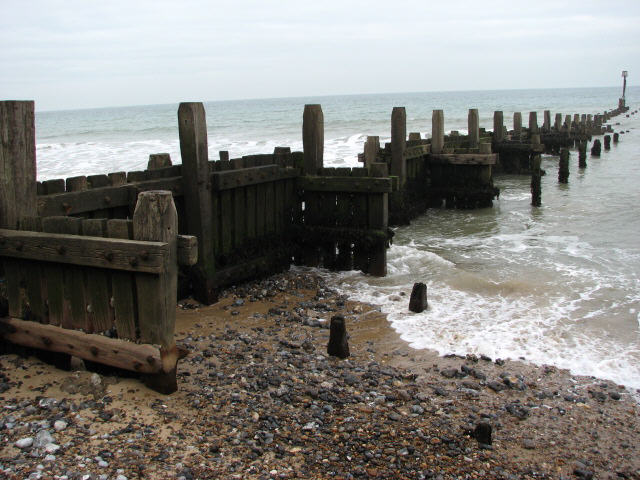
x=71 y=203
x=111 y=253
x=417 y=151
x=228 y=179
x=464 y=158
x=345 y=184
x=142 y=358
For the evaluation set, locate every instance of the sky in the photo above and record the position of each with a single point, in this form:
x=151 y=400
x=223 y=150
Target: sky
x=82 y=53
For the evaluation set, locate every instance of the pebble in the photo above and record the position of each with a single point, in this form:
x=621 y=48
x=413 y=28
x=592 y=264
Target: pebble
x=24 y=443
x=59 y=425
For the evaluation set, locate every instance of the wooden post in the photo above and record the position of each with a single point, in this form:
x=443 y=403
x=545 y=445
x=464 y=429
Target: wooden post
x=517 y=123
x=596 y=148
x=371 y=148
x=17 y=162
x=418 y=300
x=582 y=154
x=399 y=144
x=546 y=123
x=313 y=138
x=563 y=166
x=607 y=142
x=616 y=137
x=567 y=123
x=473 y=125
x=378 y=209
x=437 y=131
x=533 y=123
x=224 y=155
x=576 y=120
x=498 y=122
x=338 y=343
x=155 y=219
x=159 y=160
x=197 y=197
x=557 y=124
x=536 y=182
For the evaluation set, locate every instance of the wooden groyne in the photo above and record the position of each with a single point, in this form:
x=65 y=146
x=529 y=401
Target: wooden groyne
x=93 y=265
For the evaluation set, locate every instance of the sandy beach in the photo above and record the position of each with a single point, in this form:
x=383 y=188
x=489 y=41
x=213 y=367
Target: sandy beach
x=260 y=398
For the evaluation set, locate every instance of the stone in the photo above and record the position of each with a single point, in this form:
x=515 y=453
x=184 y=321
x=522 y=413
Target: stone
x=418 y=301
x=482 y=433
x=43 y=438
x=24 y=443
x=59 y=425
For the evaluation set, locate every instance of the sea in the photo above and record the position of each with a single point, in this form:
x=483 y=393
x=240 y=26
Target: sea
x=557 y=284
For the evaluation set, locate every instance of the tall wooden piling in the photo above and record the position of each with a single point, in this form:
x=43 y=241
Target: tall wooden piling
x=17 y=162
x=607 y=142
x=313 y=139
x=557 y=124
x=533 y=122
x=399 y=144
x=582 y=154
x=536 y=182
x=563 y=166
x=371 y=148
x=473 y=125
x=192 y=128
x=567 y=123
x=437 y=131
x=155 y=219
x=517 y=123
x=546 y=123
x=498 y=124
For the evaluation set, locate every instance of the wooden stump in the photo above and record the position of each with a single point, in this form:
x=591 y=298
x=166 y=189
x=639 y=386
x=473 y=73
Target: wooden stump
x=607 y=142
x=418 y=301
x=536 y=182
x=596 y=148
x=338 y=343
x=563 y=168
x=582 y=154
x=159 y=160
x=616 y=137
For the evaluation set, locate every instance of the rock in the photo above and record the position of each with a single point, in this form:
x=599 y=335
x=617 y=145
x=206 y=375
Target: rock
x=614 y=395
x=496 y=386
x=482 y=433
x=24 y=443
x=583 y=474
x=43 y=438
x=529 y=444
x=338 y=344
x=449 y=372
x=418 y=301
x=59 y=425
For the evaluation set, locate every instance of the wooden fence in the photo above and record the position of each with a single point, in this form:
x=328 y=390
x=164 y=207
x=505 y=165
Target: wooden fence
x=102 y=290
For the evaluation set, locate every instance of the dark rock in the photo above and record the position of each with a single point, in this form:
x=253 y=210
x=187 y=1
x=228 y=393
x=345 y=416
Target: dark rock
x=583 y=474
x=482 y=433
x=418 y=300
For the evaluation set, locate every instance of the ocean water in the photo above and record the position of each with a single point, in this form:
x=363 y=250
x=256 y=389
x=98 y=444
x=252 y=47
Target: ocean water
x=559 y=284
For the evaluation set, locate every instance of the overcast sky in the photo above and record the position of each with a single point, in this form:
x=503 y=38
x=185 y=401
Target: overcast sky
x=80 y=53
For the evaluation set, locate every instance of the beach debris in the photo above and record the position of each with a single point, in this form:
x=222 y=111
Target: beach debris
x=418 y=301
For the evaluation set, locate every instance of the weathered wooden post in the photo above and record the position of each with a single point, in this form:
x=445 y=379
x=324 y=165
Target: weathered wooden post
x=338 y=342
x=567 y=123
x=533 y=123
x=596 y=148
x=536 y=182
x=17 y=162
x=223 y=155
x=607 y=142
x=563 y=166
x=418 y=300
x=437 y=131
x=371 y=149
x=546 y=122
x=582 y=154
x=313 y=139
x=557 y=124
x=158 y=160
x=576 y=121
x=498 y=123
x=473 y=125
x=196 y=182
x=155 y=219
x=517 y=123
x=414 y=136
x=616 y=137
x=399 y=144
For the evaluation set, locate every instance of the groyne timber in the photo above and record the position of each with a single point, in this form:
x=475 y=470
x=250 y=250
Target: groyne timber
x=93 y=264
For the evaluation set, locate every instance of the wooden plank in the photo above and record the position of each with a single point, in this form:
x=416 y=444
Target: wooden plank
x=100 y=315
x=73 y=203
x=35 y=292
x=123 y=286
x=240 y=216
x=14 y=280
x=54 y=278
x=53 y=186
x=250 y=210
x=117 y=178
x=98 y=181
x=344 y=219
x=165 y=172
x=226 y=221
x=311 y=216
x=464 y=159
x=279 y=200
x=360 y=221
x=345 y=184
x=97 y=348
x=250 y=176
x=88 y=251
x=270 y=208
x=261 y=199
x=187 y=250
x=137 y=176
x=77 y=184
x=378 y=220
